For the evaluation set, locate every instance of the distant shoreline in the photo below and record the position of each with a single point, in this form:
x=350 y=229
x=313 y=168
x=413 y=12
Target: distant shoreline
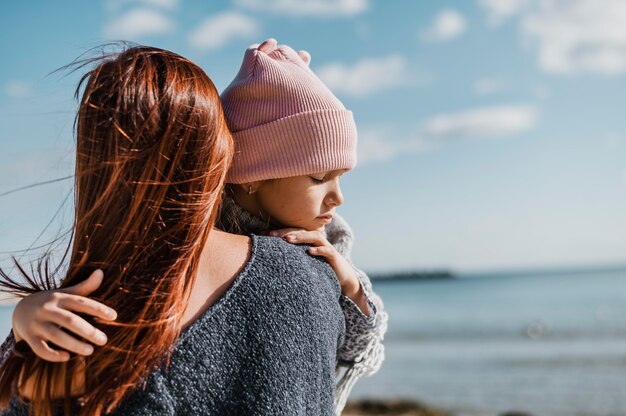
x=446 y=274
x=415 y=275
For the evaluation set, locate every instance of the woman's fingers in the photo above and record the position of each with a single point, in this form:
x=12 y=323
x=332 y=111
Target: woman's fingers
x=77 y=325
x=87 y=286
x=65 y=340
x=86 y=305
x=43 y=351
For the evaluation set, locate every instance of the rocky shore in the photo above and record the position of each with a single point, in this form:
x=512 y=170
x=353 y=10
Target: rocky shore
x=402 y=407
x=391 y=408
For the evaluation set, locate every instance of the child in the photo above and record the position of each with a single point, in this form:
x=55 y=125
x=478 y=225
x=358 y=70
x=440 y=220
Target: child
x=293 y=141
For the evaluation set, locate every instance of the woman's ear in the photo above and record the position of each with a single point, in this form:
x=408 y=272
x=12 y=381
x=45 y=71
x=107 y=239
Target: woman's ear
x=248 y=187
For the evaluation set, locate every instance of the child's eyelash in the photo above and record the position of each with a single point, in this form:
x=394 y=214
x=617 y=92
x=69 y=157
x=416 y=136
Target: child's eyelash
x=317 y=180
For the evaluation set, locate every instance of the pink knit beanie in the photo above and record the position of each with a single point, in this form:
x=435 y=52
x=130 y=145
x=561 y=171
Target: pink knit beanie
x=284 y=120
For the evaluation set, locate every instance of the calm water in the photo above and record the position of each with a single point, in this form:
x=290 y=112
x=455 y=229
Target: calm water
x=546 y=344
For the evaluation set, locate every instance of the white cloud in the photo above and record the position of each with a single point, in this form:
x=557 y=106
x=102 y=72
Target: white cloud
x=308 y=8
x=448 y=25
x=486 y=122
x=373 y=147
x=579 y=35
x=367 y=76
x=488 y=86
x=218 y=30
x=139 y=22
x=571 y=36
x=18 y=89
x=114 y=5
x=167 y=4
x=499 y=11
x=379 y=144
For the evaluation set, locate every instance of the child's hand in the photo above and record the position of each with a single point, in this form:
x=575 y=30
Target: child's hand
x=348 y=280
x=39 y=317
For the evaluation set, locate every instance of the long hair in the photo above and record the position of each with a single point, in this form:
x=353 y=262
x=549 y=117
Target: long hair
x=152 y=153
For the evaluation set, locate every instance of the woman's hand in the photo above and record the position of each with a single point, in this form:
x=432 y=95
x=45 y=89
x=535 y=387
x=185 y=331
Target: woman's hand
x=39 y=317
x=348 y=280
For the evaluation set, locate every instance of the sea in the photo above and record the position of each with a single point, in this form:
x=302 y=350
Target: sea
x=544 y=343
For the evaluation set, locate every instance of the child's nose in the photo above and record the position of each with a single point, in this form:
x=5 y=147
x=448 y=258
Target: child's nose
x=335 y=197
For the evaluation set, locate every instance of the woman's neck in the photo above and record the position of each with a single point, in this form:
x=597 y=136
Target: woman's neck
x=223 y=257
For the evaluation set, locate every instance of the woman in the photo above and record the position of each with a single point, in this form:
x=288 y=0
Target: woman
x=294 y=140
x=208 y=322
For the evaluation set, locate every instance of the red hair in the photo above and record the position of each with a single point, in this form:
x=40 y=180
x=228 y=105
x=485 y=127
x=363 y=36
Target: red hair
x=153 y=149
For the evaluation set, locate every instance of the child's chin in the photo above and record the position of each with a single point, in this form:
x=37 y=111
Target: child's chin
x=314 y=226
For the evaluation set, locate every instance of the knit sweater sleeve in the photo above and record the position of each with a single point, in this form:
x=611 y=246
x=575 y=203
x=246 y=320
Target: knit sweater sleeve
x=361 y=329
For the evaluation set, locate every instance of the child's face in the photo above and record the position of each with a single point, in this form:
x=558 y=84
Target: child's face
x=307 y=201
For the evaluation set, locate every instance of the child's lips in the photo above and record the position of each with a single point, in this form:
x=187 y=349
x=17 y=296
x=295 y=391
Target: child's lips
x=326 y=218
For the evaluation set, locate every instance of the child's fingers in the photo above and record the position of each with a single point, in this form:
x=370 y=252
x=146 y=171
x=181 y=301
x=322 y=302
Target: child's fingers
x=65 y=340
x=307 y=237
x=77 y=325
x=323 y=251
x=88 y=306
x=87 y=286
x=41 y=348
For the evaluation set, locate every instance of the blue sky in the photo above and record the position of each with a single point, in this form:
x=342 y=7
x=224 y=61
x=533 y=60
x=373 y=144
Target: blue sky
x=492 y=133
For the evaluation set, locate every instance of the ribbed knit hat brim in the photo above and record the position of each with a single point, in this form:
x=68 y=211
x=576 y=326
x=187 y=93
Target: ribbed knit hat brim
x=305 y=143
x=285 y=121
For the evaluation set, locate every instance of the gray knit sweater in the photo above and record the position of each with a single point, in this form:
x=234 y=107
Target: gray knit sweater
x=266 y=347
x=362 y=351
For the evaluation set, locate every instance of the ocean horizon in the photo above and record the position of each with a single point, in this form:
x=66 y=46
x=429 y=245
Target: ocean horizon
x=546 y=343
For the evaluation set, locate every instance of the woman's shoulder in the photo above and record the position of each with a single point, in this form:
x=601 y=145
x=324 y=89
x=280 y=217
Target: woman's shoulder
x=281 y=253
x=292 y=262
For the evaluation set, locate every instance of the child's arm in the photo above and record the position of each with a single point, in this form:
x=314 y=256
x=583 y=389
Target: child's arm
x=362 y=331
x=346 y=274
x=363 y=309
x=39 y=317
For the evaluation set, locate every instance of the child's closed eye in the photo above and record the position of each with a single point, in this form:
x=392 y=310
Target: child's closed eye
x=317 y=180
